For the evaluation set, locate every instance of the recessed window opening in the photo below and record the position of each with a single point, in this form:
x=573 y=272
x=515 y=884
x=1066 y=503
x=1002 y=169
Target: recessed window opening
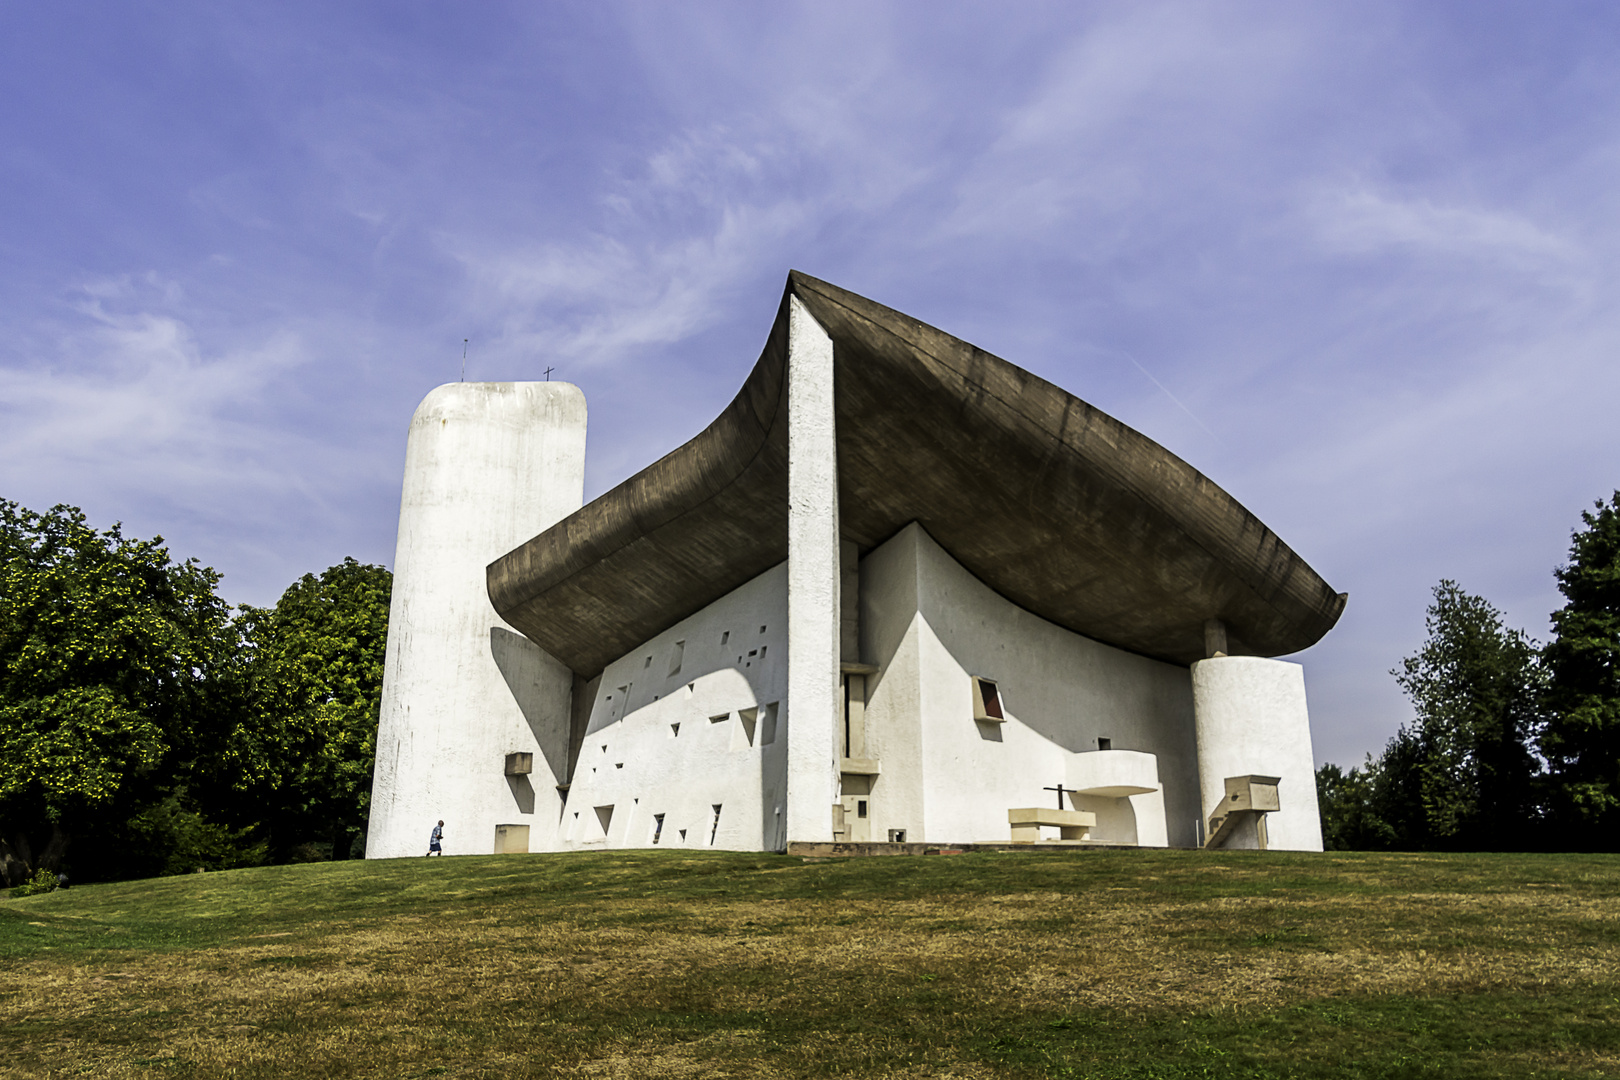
x=604 y=815
x=722 y=718
x=674 y=731
x=618 y=765
x=683 y=836
x=676 y=657
x=714 y=830
x=1104 y=743
x=725 y=636
x=767 y=724
x=748 y=718
x=648 y=664
x=762 y=629
x=860 y=807
x=987 y=701
x=897 y=836
x=658 y=827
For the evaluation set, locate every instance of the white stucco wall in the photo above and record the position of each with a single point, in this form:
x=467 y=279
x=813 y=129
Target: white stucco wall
x=487 y=466
x=929 y=625
x=1252 y=719
x=732 y=658
x=813 y=585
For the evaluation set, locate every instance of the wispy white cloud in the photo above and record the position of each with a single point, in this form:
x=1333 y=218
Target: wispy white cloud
x=1358 y=219
x=126 y=386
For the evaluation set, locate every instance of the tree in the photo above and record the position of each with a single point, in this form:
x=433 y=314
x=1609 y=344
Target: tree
x=1351 y=808
x=105 y=650
x=1463 y=775
x=1581 y=740
x=309 y=687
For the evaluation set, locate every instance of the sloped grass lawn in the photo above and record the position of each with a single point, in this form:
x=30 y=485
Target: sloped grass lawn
x=650 y=964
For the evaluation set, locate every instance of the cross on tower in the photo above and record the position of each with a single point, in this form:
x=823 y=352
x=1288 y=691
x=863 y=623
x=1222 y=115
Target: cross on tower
x=548 y=373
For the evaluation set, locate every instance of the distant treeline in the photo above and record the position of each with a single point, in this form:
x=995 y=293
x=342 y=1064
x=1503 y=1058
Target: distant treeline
x=147 y=727
x=1515 y=745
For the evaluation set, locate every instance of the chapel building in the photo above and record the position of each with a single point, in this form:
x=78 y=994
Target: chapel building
x=900 y=591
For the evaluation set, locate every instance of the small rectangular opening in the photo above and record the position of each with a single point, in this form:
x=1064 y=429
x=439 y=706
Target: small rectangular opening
x=987 y=701
x=648 y=664
x=725 y=636
x=762 y=629
x=1104 y=743
x=897 y=836
x=767 y=724
x=658 y=827
x=860 y=807
x=677 y=656
x=722 y=718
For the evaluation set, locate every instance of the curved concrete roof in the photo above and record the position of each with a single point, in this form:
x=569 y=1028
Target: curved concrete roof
x=1052 y=503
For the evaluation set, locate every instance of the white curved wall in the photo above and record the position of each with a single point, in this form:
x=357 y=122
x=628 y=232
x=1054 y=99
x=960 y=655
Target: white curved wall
x=1250 y=717
x=487 y=467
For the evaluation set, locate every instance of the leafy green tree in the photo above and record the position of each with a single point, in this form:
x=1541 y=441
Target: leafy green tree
x=310 y=686
x=1463 y=775
x=1351 y=805
x=1581 y=740
x=105 y=649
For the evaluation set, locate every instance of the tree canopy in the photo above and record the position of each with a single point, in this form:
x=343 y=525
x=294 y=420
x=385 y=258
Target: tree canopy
x=146 y=728
x=1491 y=709
x=1582 y=700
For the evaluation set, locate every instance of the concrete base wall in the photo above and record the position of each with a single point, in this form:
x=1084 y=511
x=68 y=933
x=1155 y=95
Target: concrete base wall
x=929 y=625
x=684 y=723
x=487 y=465
x=1251 y=718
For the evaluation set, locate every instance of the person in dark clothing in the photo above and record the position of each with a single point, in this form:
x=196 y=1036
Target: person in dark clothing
x=435 y=840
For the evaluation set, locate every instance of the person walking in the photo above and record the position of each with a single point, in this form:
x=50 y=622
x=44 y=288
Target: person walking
x=435 y=840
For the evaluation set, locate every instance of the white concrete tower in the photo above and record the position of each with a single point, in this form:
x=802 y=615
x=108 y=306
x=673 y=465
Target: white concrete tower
x=1250 y=718
x=487 y=466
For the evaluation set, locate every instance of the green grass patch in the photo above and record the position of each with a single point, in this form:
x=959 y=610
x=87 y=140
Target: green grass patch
x=1091 y=964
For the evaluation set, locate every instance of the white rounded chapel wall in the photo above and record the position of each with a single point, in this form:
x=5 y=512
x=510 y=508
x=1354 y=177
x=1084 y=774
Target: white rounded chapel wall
x=487 y=467
x=1250 y=717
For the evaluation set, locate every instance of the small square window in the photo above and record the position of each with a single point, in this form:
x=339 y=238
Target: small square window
x=987 y=702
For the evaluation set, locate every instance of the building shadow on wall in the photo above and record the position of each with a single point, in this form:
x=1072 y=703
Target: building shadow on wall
x=542 y=687
x=522 y=793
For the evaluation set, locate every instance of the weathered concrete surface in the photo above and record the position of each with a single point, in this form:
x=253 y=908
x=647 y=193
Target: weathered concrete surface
x=814 y=700
x=1052 y=503
x=1251 y=718
x=929 y=626
x=837 y=850
x=485 y=465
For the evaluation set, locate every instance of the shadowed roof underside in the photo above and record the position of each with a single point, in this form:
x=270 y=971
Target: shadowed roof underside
x=1053 y=504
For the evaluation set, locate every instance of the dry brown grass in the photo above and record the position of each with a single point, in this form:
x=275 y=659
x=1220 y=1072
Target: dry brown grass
x=645 y=965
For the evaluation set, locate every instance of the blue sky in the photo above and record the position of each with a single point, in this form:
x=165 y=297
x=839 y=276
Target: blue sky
x=1355 y=261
